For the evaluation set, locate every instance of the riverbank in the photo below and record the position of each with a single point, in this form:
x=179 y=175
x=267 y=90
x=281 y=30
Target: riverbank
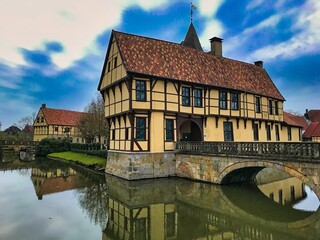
x=94 y=163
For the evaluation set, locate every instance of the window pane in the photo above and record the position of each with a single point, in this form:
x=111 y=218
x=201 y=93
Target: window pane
x=289 y=134
x=197 y=97
x=141 y=129
x=223 y=100
x=140 y=90
x=256 y=132
x=228 y=131
x=268 y=133
x=258 y=104
x=270 y=107
x=185 y=96
x=235 y=101
x=169 y=130
x=276 y=109
x=277 y=133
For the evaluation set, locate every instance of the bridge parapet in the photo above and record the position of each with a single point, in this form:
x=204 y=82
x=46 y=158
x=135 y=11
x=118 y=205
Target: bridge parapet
x=301 y=151
x=13 y=143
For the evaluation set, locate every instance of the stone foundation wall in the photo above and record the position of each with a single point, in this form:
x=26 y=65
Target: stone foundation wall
x=134 y=166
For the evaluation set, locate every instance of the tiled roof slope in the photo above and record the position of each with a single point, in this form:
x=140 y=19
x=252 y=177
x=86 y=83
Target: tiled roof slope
x=174 y=61
x=313 y=130
x=314 y=115
x=295 y=120
x=61 y=117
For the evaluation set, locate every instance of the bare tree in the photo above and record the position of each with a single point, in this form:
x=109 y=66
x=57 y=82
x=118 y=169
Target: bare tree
x=26 y=121
x=93 y=123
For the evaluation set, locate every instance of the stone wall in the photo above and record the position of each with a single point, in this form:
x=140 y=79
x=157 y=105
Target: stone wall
x=134 y=166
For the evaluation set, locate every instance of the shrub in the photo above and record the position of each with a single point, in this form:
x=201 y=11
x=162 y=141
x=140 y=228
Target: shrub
x=49 y=145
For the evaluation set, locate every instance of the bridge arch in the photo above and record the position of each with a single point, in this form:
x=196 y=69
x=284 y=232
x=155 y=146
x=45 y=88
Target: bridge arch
x=247 y=170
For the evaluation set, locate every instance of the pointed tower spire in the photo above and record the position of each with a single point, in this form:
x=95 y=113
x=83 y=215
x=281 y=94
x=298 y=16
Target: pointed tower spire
x=191 y=39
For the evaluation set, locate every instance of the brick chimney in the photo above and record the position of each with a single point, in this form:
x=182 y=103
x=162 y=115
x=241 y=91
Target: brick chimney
x=43 y=105
x=259 y=64
x=216 y=46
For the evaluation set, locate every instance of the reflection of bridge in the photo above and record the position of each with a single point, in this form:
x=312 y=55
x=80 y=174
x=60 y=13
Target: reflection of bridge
x=230 y=162
x=181 y=209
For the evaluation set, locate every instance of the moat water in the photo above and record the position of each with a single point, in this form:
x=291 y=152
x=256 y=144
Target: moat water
x=46 y=199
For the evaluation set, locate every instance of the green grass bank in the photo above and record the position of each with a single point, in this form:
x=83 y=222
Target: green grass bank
x=89 y=161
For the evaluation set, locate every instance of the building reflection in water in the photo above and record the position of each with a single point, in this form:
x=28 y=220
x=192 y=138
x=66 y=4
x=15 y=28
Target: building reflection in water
x=54 y=180
x=281 y=187
x=180 y=209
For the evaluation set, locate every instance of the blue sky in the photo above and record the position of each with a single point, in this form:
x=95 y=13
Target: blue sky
x=52 y=51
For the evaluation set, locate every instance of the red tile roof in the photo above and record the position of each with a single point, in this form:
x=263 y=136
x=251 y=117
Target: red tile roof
x=61 y=117
x=60 y=184
x=174 y=61
x=295 y=120
x=313 y=130
x=314 y=115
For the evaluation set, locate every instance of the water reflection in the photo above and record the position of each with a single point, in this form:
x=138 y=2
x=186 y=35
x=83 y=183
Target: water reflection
x=284 y=189
x=180 y=209
x=166 y=208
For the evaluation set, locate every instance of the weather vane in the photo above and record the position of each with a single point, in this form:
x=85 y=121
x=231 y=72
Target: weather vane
x=192 y=7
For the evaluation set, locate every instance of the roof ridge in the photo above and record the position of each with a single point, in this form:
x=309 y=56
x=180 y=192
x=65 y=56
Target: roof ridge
x=152 y=38
x=63 y=110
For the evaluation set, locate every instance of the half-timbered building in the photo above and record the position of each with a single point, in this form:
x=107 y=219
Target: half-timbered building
x=57 y=123
x=158 y=92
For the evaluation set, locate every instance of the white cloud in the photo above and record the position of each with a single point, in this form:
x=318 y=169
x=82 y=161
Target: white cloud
x=212 y=26
x=8 y=84
x=306 y=41
x=209 y=8
x=254 y=4
x=233 y=44
x=75 y=24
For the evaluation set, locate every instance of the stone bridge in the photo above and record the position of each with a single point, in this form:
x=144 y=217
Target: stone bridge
x=17 y=145
x=231 y=162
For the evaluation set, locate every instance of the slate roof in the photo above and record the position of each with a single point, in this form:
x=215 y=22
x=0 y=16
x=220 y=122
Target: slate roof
x=169 y=60
x=295 y=120
x=313 y=130
x=61 y=117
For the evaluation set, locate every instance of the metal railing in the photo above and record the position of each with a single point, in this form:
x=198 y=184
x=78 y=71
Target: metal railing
x=274 y=150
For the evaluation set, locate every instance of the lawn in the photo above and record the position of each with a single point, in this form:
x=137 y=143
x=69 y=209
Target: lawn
x=84 y=159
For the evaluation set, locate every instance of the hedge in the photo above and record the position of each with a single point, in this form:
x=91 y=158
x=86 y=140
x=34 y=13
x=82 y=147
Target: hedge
x=50 y=145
